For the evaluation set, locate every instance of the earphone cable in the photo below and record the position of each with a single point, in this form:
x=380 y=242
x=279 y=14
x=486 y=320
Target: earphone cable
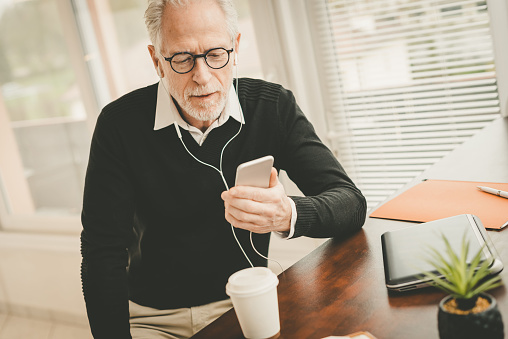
x=219 y=170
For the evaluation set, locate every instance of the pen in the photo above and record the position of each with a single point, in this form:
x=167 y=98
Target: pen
x=493 y=191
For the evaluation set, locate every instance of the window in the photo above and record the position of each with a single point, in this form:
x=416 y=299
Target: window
x=61 y=61
x=44 y=102
x=407 y=81
x=123 y=42
x=391 y=86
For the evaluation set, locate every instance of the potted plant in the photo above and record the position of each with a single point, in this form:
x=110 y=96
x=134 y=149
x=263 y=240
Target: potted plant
x=467 y=311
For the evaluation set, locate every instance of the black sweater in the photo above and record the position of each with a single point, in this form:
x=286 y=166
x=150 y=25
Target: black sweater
x=153 y=221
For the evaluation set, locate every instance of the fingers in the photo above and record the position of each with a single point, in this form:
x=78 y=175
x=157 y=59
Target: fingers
x=250 y=193
x=258 y=210
x=249 y=226
x=250 y=214
x=259 y=217
x=256 y=193
x=274 y=179
x=243 y=208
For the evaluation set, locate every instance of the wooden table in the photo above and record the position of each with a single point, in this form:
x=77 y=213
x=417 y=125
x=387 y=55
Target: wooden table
x=339 y=288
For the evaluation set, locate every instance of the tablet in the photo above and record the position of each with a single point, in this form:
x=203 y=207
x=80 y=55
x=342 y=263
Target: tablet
x=405 y=251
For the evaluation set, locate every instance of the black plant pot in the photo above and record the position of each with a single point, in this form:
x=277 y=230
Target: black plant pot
x=487 y=324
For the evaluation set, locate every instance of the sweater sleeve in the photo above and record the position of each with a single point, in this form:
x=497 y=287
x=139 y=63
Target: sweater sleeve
x=107 y=227
x=332 y=206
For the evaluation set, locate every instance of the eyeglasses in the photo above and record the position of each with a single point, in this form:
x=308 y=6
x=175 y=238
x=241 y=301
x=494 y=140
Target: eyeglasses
x=184 y=62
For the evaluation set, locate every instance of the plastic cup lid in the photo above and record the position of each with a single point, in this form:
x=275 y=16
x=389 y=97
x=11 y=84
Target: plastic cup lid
x=251 y=280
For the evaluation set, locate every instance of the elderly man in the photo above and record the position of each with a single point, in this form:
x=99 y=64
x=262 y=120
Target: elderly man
x=157 y=241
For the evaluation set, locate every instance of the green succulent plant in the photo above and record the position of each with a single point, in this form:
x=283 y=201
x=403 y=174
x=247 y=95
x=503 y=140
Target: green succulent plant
x=462 y=280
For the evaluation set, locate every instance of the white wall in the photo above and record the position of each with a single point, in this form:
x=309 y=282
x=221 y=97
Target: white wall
x=40 y=277
x=40 y=274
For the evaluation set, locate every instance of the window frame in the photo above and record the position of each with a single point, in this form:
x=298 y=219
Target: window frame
x=281 y=27
x=285 y=43
x=498 y=12
x=27 y=220
x=286 y=48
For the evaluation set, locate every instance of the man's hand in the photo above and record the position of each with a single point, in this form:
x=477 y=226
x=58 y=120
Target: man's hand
x=259 y=210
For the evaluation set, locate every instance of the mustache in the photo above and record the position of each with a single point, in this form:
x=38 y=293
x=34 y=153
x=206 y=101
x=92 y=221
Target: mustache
x=203 y=90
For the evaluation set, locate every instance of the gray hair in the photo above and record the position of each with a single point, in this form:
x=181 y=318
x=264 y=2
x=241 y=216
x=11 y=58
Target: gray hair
x=155 y=11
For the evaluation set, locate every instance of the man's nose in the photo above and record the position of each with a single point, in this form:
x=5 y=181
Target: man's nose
x=202 y=74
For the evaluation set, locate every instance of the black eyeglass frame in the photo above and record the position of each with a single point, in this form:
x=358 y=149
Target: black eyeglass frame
x=195 y=56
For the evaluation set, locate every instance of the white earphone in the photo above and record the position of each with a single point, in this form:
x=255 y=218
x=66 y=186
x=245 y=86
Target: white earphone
x=236 y=58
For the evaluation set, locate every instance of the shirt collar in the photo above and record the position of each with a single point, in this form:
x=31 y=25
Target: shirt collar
x=166 y=112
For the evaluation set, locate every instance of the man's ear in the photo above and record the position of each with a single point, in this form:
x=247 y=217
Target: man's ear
x=155 y=60
x=237 y=43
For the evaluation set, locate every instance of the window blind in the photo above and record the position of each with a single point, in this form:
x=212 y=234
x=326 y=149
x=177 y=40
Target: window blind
x=405 y=82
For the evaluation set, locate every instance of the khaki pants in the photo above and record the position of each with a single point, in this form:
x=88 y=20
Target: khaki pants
x=150 y=323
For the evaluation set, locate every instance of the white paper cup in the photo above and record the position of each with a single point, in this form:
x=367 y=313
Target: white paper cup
x=253 y=292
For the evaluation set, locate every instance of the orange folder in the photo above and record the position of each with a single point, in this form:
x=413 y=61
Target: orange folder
x=436 y=199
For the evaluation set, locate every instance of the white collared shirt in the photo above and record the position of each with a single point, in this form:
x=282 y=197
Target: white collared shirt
x=166 y=114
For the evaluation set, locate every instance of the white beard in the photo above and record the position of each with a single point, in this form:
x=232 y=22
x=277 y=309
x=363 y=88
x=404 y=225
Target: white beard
x=206 y=111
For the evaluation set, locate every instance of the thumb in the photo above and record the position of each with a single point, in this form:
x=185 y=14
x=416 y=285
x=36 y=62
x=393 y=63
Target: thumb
x=273 y=178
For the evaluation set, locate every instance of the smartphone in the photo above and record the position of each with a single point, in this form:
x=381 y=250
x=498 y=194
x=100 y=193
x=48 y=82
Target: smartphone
x=255 y=172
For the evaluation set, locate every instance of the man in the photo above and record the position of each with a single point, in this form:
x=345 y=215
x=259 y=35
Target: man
x=157 y=241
